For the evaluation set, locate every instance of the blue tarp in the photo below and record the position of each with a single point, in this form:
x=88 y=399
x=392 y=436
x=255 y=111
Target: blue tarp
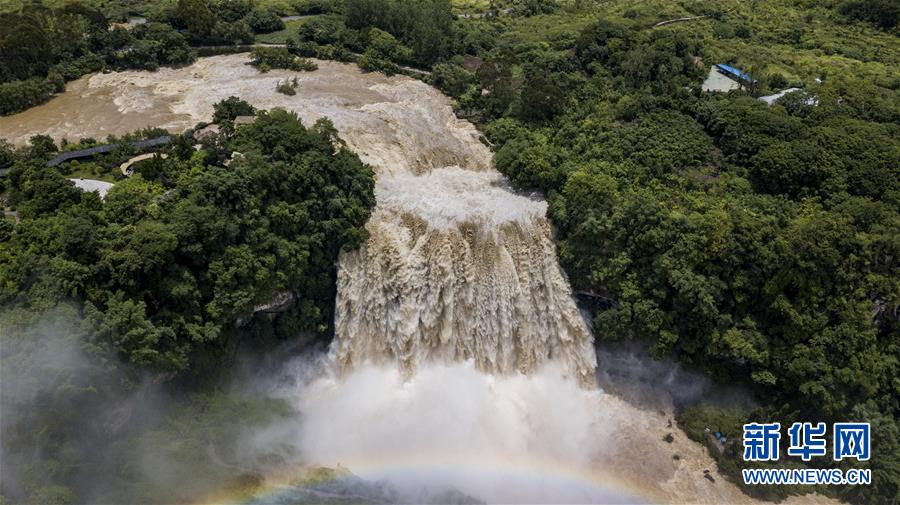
x=734 y=72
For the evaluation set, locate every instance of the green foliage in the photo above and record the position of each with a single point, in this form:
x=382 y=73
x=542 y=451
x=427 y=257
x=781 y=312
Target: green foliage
x=264 y=21
x=498 y=88
x=233 y=10
x=531 y=161
x=36 y=38
x=533 y=7
x=287 y=87
x=314 y=7
x=230 y=108
x=155 y=44
x=43 y=192
x=42 y=48
x=424 y=26
x=387 y=33
x=658 y=58
x=453 y=80
x=279 y=57
x=19 y=95
x=196 y=17
x=382 y=53
x=322 y=30
x=883 y=13
x=754 y=242
x=541 y=98
x=699 y=421
x=238 y=32
x=169 y=279
x=217 y=22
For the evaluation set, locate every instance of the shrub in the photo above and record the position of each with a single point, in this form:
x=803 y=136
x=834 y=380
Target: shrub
x=16 y=96
x=231 y=108
x=322 y=31
x=371 y=62
x=237 y=32
x=264 y=21
x=287 y=87
x=452 y=79
x=265 y=58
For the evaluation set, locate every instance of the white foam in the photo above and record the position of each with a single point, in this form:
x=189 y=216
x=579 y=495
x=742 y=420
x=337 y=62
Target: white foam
x=512 y=439
x=449 y=196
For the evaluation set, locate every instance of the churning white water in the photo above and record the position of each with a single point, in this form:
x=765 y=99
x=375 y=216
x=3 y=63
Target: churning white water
x=461 y=360
x=501 y=439
x=457 y=267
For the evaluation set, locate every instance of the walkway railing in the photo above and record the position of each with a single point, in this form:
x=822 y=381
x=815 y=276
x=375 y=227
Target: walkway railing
x=106 y=148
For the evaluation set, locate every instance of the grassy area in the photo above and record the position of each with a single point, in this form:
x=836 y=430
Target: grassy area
x=94 y=171
x=468 y=6
x=560 y=29
x=281 y=36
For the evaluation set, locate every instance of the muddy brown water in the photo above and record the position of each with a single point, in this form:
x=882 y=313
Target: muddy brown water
x=85 y=111
x=98 y=105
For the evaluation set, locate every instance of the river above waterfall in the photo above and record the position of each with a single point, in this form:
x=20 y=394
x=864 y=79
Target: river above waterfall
x=461 y=360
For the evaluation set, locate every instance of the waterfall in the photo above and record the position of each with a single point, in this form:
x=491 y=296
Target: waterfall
x=457 y=267
x=460 y=358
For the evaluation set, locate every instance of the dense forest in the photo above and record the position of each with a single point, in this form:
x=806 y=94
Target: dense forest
x=181 y=264
x=178 y=258
x=757 y=243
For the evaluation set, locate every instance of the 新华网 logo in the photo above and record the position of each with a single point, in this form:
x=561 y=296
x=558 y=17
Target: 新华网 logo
x=807 y=441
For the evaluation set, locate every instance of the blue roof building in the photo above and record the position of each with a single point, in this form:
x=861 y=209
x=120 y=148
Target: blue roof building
x=734 y=73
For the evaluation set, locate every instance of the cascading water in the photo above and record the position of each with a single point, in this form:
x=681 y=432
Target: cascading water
x=457 y=267
x=461 y=359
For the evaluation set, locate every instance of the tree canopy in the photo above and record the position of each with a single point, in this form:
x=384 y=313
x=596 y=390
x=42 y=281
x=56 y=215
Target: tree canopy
x=172 y=267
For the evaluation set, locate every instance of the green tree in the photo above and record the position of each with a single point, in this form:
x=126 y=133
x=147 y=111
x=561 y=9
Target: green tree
x=541 y=98
x=264 y=21
x=196 y=16
x=231 y=108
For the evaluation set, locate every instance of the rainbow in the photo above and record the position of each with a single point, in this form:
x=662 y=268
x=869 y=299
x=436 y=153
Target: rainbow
x=592 y=485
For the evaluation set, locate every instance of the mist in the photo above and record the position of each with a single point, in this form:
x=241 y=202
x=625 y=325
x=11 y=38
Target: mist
x=627 y=370
x=453 y=431
x=78 y=426
x=290 y=426
x=517 y=438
